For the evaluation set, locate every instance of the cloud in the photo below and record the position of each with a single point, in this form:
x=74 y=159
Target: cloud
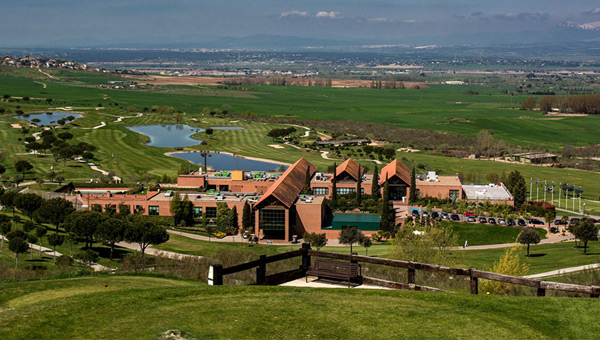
x=378 y=20
x=476 y=14
x=329 y=15
x=294 y=14
x=458 y=16
x=595 y=11
x=537 y=16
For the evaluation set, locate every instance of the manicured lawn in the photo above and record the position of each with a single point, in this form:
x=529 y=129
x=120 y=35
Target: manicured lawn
x=133 y=307
x=544 y=257
x=481 y=234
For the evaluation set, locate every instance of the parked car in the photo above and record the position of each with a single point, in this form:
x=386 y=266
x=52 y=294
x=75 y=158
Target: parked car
x=425 y=214
x=482 y=220
x=435 y=215
x=471 y=219
x=510 y=222
x=574 y=220
x=502 y=221
x=559 y=221
x=455 y=217
x=445 y=216
x=415 y=213
x=469 y=214
x=491 y=220
x=535 y=221
x=522 y=223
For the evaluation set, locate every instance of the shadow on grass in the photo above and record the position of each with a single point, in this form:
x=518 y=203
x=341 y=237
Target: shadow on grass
x=537 y=255
x=104 y=252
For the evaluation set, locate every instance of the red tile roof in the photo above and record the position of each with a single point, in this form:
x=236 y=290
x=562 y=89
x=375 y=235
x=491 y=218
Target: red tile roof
x=287 y=188
x=350 y=167
x=395 y=168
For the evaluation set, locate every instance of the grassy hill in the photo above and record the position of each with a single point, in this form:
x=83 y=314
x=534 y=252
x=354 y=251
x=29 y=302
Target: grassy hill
x=134 y=307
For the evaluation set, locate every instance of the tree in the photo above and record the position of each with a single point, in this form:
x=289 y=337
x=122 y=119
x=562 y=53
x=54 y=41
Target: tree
x=233 y=221
x=40 y=231
x=18 y=246
x=55 y=211
x=529 y=236
x=307 y=190
x=517 y=187
x=350 y=235
x=32 y=239
x=528 y=104
x=71 y=239
x=60 y=179
x=28 y=203
x=209 y=132
x=316 y=240
x=8 y=199
x=55 y=239
x=23 y=166
x=5 y=228
x=65 y=135
x=375 y=189
x=84 y=224
x=334 y=183
x=412 y=194
x=246 y=217
x=111 y=231
x=585 y=230
x=175 y=208
x=366 y=242
x=359 y=187
x=145 y=232
x=386 y=210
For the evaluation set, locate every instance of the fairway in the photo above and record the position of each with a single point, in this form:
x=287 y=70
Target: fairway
x=146 y=307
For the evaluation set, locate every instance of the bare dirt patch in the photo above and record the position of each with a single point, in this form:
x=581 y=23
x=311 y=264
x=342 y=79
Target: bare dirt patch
x=407 y=150
x=558 y=114
x=277 y=146
x=16 y=126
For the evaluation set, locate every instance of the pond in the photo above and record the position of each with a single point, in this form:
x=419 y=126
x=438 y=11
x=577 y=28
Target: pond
x=227 y=128
x=224 y=161
x=169 y=135
x=49 y=118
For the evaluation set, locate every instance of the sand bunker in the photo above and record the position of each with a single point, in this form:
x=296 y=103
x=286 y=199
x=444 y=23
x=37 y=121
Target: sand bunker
x=277 y=146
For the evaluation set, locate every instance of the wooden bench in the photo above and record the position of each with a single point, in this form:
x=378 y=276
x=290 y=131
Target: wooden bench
x=334 y=270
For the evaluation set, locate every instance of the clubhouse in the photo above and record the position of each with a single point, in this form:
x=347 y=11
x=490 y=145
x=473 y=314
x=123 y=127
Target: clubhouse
x=279 y=208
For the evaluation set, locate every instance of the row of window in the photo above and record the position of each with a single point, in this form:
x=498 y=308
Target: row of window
x=340 y=191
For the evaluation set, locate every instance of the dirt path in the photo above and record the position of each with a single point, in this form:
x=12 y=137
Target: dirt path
x=46 y=73
x=553 y=240
x=564 y=271
x=157 y=252
x=43 y=84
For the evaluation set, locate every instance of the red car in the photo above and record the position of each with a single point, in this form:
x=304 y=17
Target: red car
x=470 y=214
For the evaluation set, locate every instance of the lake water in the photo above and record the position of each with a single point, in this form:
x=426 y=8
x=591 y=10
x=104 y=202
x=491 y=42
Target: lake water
x=48 y=119
x=169 y=135
x=223 y=161
x=227 y=128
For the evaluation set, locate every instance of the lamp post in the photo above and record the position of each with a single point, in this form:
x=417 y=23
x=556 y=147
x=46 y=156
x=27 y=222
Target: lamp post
x=584 y=208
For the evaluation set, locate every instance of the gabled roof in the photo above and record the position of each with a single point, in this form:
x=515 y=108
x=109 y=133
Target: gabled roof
x=395 y=168
x=350 y=167
x=287 y=188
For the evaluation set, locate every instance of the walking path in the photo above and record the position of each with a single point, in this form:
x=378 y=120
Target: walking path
x=47 y=251
x=102 y=124
x=557 y=239
x=46 y=73
x=564 y=271
x=157 y=252
x=576 y=212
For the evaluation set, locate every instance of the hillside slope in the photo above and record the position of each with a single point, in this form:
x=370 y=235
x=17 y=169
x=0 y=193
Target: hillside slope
x=135 y=307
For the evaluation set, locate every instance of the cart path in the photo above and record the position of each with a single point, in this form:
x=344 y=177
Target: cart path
x=553 y=240
x=157 y=252
x=564 y=271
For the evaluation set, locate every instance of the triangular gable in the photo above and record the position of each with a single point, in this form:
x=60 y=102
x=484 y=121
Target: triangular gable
x=395 y=169
x=287 y=188
x=350 y=168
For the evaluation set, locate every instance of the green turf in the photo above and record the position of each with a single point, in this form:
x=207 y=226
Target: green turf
x=482 y=234
x=145 y=307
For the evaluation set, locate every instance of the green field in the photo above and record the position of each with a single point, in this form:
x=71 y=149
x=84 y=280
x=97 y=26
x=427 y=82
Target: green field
x=148 y=307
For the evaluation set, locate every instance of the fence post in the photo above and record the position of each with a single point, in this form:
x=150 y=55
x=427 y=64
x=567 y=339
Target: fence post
x=261 y=271
x=352 y=260
x=215 y=275
x=541 y=291
x=412 y=273
x=474 y=283
x=305 y=257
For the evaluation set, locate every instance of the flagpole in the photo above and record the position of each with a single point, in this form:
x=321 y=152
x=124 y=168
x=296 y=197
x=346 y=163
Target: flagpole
x=580 y=198
x=545 y=189
x=530 y=188
x=573 y=197
x=567 y=196
x=559 y=192
x=537 y=189
x=552 y=192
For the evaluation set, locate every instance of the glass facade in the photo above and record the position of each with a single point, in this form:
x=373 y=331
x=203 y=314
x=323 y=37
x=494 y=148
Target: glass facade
x=197 y=212
x=320 y=191
x=345 y=191
x=211 y=212
x=272 y=219
x=454 y=195
x=153 y=210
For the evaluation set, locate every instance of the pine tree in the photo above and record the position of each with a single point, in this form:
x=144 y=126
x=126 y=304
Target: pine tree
x=386 y=211
x=307 y=190
x=246 y=223
x=359 y=187
x=412 y=197
x=334 y=183
x=375 y=188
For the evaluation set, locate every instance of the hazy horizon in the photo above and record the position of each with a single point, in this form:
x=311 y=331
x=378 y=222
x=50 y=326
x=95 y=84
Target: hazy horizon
x=92 y=23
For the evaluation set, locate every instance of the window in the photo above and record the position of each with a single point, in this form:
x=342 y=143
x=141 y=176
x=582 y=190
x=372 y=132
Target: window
x=272 y=219
x=453 y=195
x=197 y=212
x=153 y=210
x=211 y=212
x=139 y=208
x=345 y=191
x=320 y=191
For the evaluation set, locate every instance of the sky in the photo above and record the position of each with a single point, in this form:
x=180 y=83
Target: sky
x=106 y=22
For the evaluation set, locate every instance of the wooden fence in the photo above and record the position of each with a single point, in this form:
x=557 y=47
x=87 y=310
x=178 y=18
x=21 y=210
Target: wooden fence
x=216 y=273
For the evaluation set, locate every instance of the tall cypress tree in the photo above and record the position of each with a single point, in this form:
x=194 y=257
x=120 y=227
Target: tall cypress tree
x=246 y=223
x=375 y=188
x=359 y=187
x=386 y=211
x=334 y=183
x=307 y=190
x=412 y=197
